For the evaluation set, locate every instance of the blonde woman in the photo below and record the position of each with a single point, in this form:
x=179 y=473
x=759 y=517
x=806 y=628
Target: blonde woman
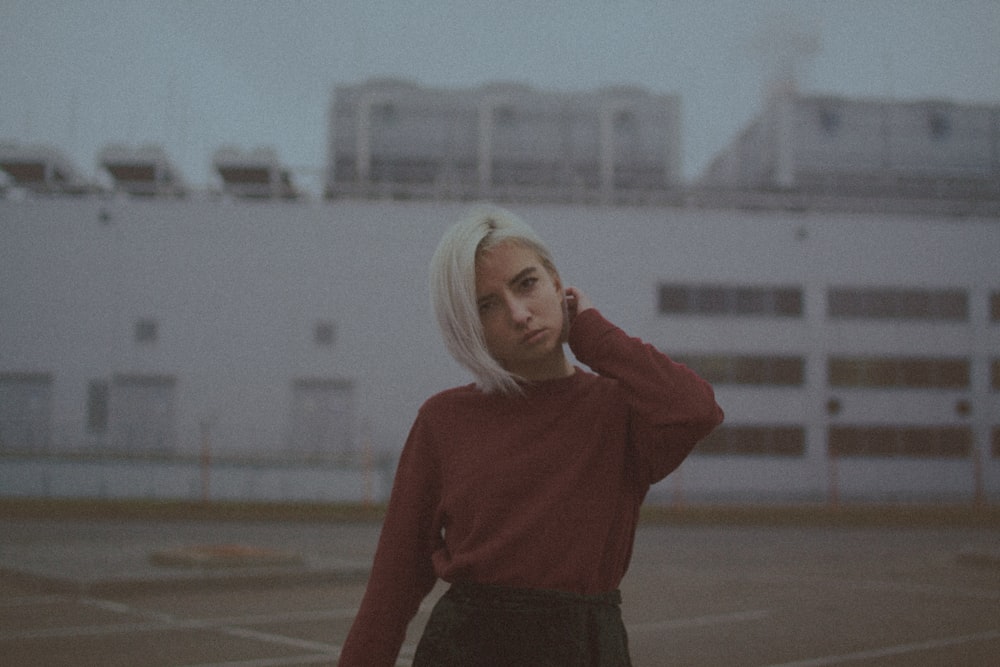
x=522 y=490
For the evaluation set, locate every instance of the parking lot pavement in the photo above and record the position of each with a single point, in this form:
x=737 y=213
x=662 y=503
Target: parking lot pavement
x=87 y=592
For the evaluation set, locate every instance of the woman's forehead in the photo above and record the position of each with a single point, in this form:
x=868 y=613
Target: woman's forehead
x=506 y=257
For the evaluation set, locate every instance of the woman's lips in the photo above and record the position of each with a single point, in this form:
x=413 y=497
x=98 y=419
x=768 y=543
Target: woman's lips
x=533 y=336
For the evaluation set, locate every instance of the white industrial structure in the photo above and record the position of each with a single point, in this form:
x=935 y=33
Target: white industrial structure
x=846 y=308
x=503 y=142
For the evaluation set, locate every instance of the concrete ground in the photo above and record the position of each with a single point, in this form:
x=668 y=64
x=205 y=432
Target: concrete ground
x=86 y=592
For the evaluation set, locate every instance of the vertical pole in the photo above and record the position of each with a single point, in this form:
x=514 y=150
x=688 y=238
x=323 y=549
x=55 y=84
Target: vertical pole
x=206 y=461
x=678 y=490
x=979 y=496
x=834 y=481
x=607 y=151
x=484 y=150
x=362 y=139
x=368 y=493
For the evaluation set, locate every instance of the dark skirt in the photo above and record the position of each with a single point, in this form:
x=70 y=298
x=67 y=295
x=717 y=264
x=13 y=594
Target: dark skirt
x=492 y=626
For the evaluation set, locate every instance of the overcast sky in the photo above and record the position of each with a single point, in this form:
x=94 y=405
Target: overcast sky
x=195 y=76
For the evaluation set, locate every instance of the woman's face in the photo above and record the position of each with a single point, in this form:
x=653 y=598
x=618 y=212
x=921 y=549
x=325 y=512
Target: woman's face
x=521 y=308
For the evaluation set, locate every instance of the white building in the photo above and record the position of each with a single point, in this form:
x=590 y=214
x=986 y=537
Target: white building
x=853 y=337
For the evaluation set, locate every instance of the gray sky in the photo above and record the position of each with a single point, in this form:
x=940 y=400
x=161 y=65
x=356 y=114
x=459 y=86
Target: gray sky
x=195 y=76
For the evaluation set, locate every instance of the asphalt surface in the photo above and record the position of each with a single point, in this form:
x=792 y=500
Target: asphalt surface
x=259 y=594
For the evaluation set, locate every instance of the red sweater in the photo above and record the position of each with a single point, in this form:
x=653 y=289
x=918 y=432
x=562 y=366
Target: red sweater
x=534 y=491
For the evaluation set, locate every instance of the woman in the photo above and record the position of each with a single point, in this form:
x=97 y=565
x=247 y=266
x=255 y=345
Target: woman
x=523 y=490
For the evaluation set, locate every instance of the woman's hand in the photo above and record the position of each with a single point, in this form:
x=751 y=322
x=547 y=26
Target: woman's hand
x=576 y=303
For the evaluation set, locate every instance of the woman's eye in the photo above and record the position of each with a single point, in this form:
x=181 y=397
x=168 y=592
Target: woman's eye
x=528 y=283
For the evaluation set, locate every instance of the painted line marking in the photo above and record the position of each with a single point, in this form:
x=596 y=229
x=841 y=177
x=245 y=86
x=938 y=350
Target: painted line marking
x=887 y=651
x=273 y=662
x=699 y=621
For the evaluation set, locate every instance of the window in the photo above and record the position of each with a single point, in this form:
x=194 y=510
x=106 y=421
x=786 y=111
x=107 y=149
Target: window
x=829 y=120
x=939 y=125
x=995 y=307
x=141 y=413
x=98 y=401
x=505 y=115
x=900 y=441
x=901 y=304
x=754 y=441
x=747 y=370
x=995 y=445
x=995 y=375
x=384 y=113
x=625 y=122
x=324 y=333
x=744 y=300
x=898 y=372
x=25 y=411
x=145 y=331
x=322 y=417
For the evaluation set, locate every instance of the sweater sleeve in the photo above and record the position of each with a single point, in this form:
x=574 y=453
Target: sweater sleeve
x=402 y=572
x=671 y=408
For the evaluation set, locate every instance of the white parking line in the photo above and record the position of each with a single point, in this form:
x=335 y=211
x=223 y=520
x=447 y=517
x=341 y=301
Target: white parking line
x=699 y=621
x=272 y=638
x=33 y=600
x=273 y=662
x=934 y=590
x=887 y=651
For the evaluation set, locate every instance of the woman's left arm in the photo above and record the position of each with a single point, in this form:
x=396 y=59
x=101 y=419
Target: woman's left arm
x=672 y=408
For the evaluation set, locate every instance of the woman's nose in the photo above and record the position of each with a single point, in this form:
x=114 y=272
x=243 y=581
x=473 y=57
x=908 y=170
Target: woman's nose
x=520 y=313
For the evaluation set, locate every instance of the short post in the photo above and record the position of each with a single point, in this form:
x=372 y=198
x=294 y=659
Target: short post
x=206 y=460
x=978 y=494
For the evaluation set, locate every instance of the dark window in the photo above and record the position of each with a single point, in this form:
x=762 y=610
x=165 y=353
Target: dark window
x=625 y=122
x=788 y=301
x=829 y=120
x=145 y=331
x=939 y=124
x=505 y=115
x=98 y=395
x=749 y=300
x=324 y=333
x=384 y=113
x=950 y=305
x=711 y=300
x=995 y=375
x=995 y=306
x=754 y=441
x=905 y=373
x=674 y=299
x=25 y=410
x=900 y=441
x=747 y=370
x=728 y=300
x=141 y=414
x=322 y=417
x=905 y=304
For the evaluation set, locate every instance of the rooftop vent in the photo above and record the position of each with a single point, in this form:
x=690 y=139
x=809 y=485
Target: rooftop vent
x=144 y=171
x=40 y=169
x=255 y=174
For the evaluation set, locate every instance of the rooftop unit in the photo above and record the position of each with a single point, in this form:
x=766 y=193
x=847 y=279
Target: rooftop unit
x=825 y=145
x=256 y=174
x=40 y=169
x=143 y=171
x=502 y=141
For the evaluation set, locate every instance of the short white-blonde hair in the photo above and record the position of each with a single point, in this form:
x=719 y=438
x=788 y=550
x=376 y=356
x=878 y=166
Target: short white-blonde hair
x=453 y=288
